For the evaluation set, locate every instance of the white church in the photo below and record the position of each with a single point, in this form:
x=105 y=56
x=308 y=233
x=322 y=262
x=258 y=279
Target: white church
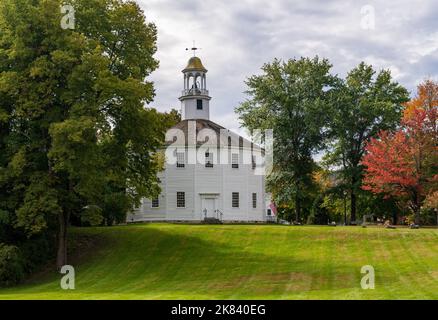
x=211 y=173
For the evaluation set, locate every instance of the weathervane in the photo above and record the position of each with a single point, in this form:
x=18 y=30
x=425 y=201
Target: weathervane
x=194 y=48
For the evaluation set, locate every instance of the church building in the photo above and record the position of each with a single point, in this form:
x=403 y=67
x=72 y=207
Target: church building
x=210 y=172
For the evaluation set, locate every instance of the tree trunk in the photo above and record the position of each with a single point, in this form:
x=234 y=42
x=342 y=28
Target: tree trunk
x=394 y=218
x=353 y=200
x=417 y=211
x=417 y=215
x=353 y=207
x=297 y=206
x=416 y=207
x=61 y=258
x=297 y=211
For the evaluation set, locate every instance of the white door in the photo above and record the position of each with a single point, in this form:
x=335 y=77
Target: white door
x=209 y=207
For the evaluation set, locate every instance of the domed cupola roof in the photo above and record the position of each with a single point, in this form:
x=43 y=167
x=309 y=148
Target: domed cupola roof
x=195 y=64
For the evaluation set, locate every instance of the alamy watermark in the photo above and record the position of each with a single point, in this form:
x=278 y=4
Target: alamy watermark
x=68 y=21
x=368 y=280
x=368 y=20
x=210 y=147
x=68 y=281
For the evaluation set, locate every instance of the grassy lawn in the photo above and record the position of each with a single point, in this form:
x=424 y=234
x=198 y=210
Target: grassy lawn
x=165 y=261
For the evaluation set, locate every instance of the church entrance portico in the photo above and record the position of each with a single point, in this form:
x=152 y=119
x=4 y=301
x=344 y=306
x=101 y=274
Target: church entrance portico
x=209 y=202
x=209 y=207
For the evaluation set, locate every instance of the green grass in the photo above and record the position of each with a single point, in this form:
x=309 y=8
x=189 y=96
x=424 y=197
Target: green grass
x=165 y=261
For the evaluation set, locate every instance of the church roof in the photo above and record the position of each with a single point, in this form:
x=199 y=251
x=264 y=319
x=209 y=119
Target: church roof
x=218 y=129
x=200 y=125
x=195 y=64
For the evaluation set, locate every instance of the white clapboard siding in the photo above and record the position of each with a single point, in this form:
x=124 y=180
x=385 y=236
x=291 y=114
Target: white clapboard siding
x=199 y=183
x=197 y=180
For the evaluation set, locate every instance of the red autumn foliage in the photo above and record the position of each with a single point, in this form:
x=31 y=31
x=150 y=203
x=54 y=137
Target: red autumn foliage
x=403 y=164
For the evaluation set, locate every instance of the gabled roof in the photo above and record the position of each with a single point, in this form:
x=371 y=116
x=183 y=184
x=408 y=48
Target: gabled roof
x=201 y=124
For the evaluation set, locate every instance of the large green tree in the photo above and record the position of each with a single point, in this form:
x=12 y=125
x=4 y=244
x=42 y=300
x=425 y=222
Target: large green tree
x=365 y=103
x=292 y=98
x=74 y=129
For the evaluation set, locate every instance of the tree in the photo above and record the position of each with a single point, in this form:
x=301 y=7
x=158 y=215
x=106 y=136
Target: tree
x=113 y=201
x=72 y=114
x=426 y=98
x=431 y=201
x=170 y=118
x=365 y=104
x=291 y=98
x=404 y=164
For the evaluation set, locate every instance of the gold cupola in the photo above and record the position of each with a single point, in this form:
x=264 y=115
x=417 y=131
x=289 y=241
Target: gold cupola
x=195 y=64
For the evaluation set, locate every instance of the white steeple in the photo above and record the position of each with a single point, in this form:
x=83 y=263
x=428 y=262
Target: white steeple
x=195 y=101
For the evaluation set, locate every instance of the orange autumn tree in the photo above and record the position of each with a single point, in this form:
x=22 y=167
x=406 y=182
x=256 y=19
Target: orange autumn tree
x=404 y=164
x=427 y=98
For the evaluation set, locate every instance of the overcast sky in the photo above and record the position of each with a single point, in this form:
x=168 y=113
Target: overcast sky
x=237 y=37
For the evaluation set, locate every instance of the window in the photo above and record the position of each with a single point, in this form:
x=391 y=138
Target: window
x=235 y=200
x=235 y=161
x=254 y=200
x=199 y=104
x=155 y=203
x=180 y=159
x=269 y=212
x=208 y=160
x=180 y=199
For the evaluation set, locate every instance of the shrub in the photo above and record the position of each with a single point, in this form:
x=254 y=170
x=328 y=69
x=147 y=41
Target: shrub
x=36 y=252
x=11 y=265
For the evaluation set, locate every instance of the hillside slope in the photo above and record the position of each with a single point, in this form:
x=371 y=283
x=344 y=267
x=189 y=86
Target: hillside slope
x=165 y=261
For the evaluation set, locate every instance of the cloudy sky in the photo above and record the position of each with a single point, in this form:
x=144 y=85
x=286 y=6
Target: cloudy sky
x=237 y=37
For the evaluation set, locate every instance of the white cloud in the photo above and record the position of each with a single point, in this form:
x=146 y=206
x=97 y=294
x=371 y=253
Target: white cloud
x=237 y=37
